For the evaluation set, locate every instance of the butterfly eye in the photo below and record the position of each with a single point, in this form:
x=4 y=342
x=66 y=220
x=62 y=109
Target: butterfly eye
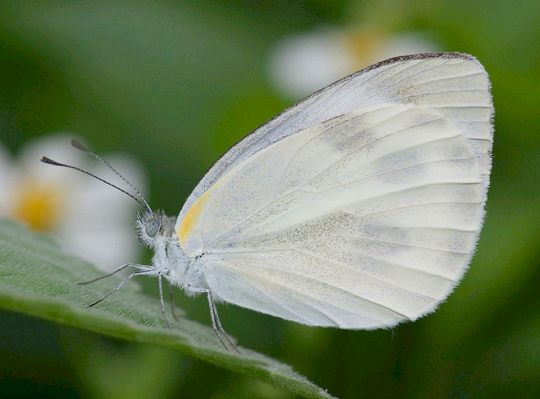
x=152 y=227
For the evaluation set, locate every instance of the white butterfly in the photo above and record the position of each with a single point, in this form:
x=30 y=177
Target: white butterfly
x=359 y=207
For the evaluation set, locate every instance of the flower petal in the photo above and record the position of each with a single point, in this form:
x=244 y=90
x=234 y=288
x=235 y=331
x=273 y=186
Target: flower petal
x=309 y=61
x=7 y=179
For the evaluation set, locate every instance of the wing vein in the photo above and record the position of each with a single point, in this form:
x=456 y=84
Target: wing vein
x=374 y=197
x=448 y=91
x=312 y=306
x=382 y=212
x=376 y=141
x=344 y=266
x=466 y=75
x=385 y=88
x=377 y=240
x=328 y=285
x=315 y=256
x=400 y=169
x=299 y=188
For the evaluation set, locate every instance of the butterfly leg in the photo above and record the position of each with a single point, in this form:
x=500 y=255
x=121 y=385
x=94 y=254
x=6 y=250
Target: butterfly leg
x=136 y=266
x=161 y=301
x=124 y=281
x=171 y=300
x=216 y=324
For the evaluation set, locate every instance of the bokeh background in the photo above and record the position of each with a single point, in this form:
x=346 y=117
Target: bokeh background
x=175 y=84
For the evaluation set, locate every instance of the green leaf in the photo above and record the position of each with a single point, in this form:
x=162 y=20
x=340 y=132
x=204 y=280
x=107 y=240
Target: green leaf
x=39 y=279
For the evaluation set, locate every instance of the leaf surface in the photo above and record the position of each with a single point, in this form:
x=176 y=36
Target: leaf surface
x=37 y=278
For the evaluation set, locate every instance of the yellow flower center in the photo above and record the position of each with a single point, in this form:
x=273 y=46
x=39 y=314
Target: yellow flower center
x=362 y=46
x=38 y=205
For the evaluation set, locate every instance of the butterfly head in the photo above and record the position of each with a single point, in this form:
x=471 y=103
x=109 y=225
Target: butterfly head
x=152 y=226
x=148 y=227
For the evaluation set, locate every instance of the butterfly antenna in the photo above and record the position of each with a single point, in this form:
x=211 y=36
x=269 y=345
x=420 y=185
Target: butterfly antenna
x=55 y=163
x=78 y=145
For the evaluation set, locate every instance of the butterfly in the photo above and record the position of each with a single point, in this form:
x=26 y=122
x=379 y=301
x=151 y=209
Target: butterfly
x=359 y=207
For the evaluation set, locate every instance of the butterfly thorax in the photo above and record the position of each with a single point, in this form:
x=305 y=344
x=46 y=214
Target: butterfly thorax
x=157 y=231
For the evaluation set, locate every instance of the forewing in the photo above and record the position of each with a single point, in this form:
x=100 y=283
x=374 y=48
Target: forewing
x=454 y=84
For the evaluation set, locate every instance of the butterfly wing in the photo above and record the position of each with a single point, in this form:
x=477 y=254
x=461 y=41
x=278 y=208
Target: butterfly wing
x=359 y=207
x=456 y=84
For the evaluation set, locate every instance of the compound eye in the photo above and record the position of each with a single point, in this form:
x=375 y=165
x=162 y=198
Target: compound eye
x=152 y=227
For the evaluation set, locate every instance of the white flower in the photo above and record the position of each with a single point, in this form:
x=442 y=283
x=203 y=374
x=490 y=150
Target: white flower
x=308 y=61
x=90 y=218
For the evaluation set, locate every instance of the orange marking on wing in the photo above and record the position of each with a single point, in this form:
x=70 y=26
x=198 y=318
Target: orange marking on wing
x=191 y=217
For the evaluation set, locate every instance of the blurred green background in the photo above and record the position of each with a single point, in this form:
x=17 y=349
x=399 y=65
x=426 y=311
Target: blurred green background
x=175 y=84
